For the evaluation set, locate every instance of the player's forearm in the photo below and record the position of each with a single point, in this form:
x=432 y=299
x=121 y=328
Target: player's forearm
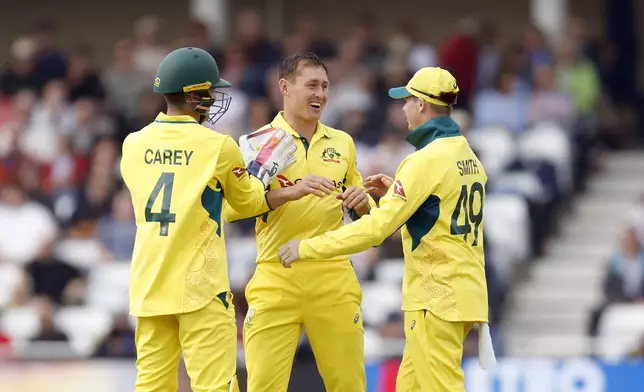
x=231 y=215
x=326 y=247
x=354 y=238
x=248 y=201
x=278 y=197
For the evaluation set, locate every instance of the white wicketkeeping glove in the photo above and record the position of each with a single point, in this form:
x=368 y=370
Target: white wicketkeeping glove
x=269 y=159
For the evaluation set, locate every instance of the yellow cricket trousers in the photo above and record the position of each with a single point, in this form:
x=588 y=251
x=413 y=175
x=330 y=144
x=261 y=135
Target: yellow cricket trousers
x=433 y=354
x=208 y=339
x=322 y=297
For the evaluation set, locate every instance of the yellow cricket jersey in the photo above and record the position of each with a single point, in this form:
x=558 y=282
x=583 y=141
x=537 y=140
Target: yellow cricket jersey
x=437 y=198
x=178 y=173
x=330 y=153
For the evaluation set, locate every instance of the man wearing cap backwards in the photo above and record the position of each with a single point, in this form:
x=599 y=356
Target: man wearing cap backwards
x=437 y=196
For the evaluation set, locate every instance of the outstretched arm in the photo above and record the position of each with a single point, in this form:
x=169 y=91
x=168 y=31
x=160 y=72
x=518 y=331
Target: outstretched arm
x=314 y=185
x=396 y=207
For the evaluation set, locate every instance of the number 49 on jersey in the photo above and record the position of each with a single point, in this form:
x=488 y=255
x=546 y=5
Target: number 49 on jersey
x=465 y=211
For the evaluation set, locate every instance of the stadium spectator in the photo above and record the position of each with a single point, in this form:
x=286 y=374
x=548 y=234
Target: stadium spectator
x=27 y=229
x=625 y=277
x=307 y=31
x=198 y=35
x=16 y=114
x=537 y=47
x=116 y=231
x=393 y=327
x=502 y=106
x=51 y=62
x=624 y=280
x=54 y=280
x=82 y=77
x=124 y=82
x=548 y=103
x=365 y=35
x=41 y=138
x=119 y=343
x=148 y=47
x=20 y=72
x=638 y=352
x=459 y=55
x=48 y=332
x=638 y=221
x=92 y=202
x=516 y=59
x=578 y=77
x=489 y=56
x=5 y=346
x=349 y=76
x=392 y=147
x=258 y=49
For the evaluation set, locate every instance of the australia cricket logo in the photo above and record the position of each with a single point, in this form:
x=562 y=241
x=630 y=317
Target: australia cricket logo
x=330 y=155
x=248 y=321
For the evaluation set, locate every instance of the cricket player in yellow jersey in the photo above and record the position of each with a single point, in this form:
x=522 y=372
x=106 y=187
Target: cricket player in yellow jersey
x=437 y=197
x=178 y=173
x=322 y=296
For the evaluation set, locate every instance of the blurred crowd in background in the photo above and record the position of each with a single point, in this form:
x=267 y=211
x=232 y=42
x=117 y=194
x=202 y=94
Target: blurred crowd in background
x=623 y=282
x=63 y=117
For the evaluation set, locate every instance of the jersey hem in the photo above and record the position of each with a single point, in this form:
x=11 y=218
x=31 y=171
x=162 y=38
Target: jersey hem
x=475 y=319
x=182 y=310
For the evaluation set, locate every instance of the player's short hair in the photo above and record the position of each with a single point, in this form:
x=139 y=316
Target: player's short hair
x=437 y=109
x=440 y=110
x=291 y=64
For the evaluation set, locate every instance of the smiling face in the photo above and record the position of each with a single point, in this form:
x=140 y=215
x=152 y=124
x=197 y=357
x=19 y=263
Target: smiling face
x=306 y=92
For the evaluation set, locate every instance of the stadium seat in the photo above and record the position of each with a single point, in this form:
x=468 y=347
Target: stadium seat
x=521 y=182
x=541 y=209
x=620 y=330
x=132 y=322
x=10 y=277
x=21 y=324
x=507 y=228
x=496 y=148
x=548 y=142
x=390 y=271
x=81 y=253
x=107 y=287
x=241 y=253
x=378 y=300
x=372 y=344
x=462 y=118
x=86 y=327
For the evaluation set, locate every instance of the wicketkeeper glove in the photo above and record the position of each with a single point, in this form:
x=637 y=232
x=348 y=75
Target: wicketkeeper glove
x=270 y=159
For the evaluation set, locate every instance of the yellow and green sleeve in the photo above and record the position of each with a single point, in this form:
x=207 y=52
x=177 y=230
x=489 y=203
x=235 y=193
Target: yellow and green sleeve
x=244 y=195
x=401 y=201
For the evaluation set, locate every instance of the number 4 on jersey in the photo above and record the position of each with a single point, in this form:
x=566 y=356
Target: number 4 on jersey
x=165 y=217
x=465 y=204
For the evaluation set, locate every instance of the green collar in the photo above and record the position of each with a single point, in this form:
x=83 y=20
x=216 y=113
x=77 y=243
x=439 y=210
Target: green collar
x=437 y=127
x=181 y=119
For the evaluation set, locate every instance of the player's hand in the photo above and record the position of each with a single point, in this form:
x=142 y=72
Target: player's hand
x=354 y=197
x=377 y=185
x=316 y=185
x=272 y=159
x=289 y=253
